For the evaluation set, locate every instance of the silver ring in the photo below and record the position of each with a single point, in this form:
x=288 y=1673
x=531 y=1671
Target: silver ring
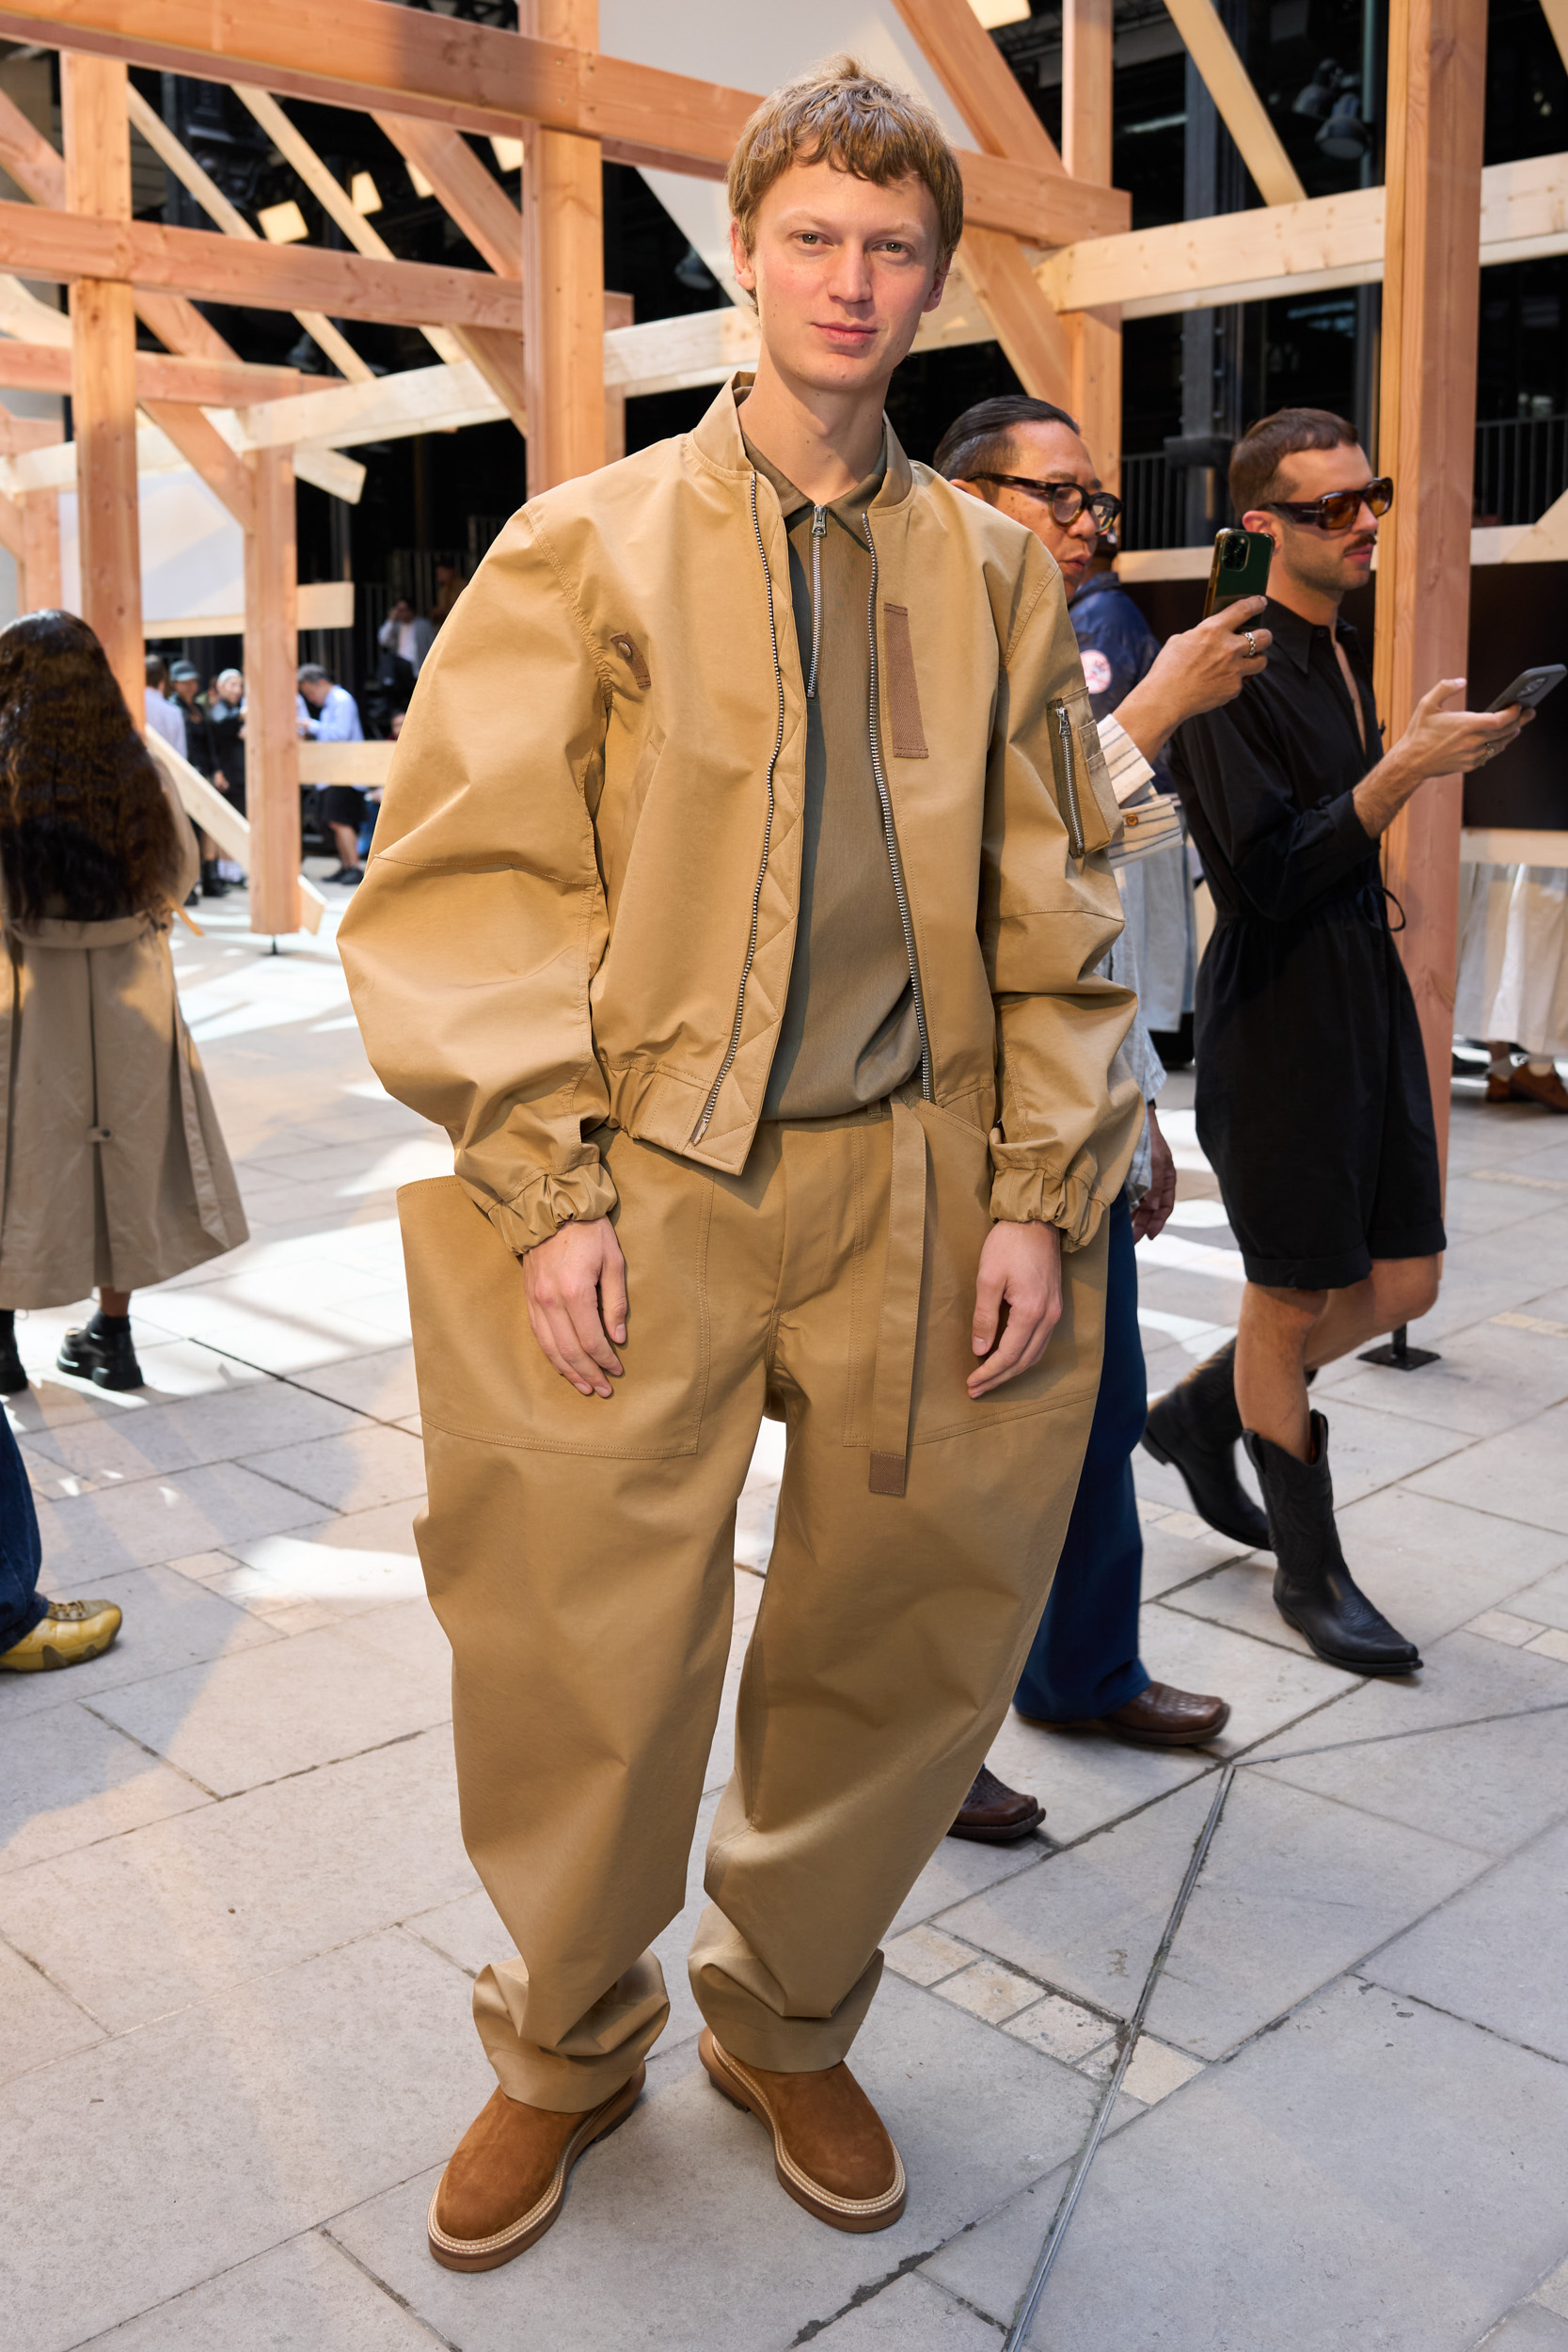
x=1251 y=644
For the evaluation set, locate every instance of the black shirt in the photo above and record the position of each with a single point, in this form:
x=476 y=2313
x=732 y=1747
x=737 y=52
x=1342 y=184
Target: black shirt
x=1267 y=781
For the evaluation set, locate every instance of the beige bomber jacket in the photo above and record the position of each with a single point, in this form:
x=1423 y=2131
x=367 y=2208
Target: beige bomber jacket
x=582 y=906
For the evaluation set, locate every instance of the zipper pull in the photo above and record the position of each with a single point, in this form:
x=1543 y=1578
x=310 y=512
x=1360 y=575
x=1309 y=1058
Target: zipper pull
x=818 y=532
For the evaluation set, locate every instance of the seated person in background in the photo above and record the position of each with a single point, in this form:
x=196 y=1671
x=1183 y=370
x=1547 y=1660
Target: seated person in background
x=330 y=714
x=1027 y=458
x=1313 y=1104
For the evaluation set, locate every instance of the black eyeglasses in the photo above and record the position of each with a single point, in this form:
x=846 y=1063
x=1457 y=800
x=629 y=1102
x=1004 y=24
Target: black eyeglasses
x=1066 y=501
x=1339 y=509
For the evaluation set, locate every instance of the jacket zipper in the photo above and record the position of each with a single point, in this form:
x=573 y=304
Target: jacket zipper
x=886 y=798
x=1072 y=813
x=818 y=532
x=701 y=1128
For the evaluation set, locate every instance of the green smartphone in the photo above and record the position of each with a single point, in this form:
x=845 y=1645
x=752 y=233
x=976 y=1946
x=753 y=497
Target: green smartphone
x=1240 y=569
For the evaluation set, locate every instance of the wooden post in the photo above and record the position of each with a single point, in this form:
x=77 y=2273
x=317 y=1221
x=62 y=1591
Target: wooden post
x=103 y=375
x=1087 y=34
x=271 y=656
x=562 y=275
x=39 y=580
x=1430 y=293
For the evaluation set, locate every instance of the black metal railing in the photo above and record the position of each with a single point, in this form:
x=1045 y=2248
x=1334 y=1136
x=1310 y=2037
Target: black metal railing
x=1521 y=467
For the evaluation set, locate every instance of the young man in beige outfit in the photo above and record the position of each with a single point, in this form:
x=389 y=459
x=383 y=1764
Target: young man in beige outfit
x=735 y=906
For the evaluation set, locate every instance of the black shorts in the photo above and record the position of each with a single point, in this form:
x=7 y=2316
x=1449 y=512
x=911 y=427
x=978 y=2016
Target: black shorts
x=1313 y=1104
x=343 y=805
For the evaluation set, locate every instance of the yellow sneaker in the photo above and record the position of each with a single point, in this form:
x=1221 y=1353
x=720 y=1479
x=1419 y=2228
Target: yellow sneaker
x=72 y=1631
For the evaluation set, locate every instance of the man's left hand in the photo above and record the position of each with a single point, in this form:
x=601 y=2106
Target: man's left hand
x=1018 y=1302
x=1153 y=1211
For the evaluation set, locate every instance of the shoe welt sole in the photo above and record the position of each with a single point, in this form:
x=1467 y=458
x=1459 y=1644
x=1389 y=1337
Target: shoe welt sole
x=1006 y=1834
x=857 y=2215
x=503 y=2246
x=1350 y=1665
x=1164 y=1738
x=1232 y=1533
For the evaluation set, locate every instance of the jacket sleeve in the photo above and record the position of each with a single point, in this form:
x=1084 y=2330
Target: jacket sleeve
x=471 y=941
x=1067 y=1127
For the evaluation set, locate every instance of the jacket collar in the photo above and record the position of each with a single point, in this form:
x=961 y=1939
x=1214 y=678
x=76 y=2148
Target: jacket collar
x=718 y=442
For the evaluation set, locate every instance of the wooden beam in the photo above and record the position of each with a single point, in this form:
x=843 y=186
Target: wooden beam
x=1238 y=106
x=563 y=277
x=1033 y=338
x=473 y=78
x=1328 y=241
x=619 y=311
x=103 y=377
x=39 y=581
x=19 y=434
x=334 y=199
x=178 y=158
x=980 y=82
x=1557 y=17
x=1094 y=337
x=203 y=383
x=12 y=539
x=203 y=448
x=21 y=314
x=479 y=204
x=1431 y=301
x=36 y=167
x=271 y=653
x=62 y=247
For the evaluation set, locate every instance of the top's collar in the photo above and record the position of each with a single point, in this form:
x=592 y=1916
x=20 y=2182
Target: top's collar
x=722 y=443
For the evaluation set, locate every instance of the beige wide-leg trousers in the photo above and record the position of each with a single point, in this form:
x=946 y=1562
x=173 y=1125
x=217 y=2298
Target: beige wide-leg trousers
x=579 y=1556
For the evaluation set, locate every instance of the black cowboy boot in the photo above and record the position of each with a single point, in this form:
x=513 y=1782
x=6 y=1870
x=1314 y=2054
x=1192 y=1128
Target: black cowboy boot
x=1195 y=1427
x=212 y=885
x=14 y=1378
x=103 y=1353
x=1313 y=1589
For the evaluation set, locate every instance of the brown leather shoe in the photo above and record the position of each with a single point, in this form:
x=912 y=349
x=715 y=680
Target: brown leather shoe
x=994 y=1815
x=1536 y=1086
x=830 y=2149
x=506 y=2182
x=1160 y=1717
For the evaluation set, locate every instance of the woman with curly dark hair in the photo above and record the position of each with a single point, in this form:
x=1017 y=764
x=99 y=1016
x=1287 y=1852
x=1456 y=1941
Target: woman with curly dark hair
x=112 y=1162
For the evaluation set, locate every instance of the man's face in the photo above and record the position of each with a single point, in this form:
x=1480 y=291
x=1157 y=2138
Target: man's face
x=1049 y=452
x=402 y=611
x=315 y=690
x=186 y=687
x=232 y=690
x=843 y=271
x=1329 y=562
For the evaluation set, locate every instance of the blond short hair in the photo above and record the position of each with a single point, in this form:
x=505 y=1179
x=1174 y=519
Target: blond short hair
x=841 y=114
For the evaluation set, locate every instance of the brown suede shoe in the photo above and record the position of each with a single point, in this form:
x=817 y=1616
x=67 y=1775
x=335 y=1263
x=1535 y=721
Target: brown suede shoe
x=506 y=2182
x=830 y=2149
x=994 y=1815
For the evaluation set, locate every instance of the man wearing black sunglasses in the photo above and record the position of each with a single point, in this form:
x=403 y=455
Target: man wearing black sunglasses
x=1312 y=1099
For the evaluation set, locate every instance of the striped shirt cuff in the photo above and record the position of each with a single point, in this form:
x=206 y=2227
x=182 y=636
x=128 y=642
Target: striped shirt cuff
x=1129 y=772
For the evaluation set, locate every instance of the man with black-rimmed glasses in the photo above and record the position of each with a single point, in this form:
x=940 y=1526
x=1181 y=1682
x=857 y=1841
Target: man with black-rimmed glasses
x=1312 y=1099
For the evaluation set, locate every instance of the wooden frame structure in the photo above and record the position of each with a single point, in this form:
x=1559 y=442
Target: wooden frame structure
x=1049 y=265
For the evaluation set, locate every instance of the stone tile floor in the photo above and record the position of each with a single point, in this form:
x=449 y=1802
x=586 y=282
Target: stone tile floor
x=237 y=1926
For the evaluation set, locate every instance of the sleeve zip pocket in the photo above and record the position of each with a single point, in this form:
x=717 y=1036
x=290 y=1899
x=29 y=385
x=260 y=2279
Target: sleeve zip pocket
x=1064 y=753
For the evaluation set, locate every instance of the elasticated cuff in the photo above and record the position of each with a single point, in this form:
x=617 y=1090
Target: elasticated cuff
x=1022 y=1195
x=546 y=1202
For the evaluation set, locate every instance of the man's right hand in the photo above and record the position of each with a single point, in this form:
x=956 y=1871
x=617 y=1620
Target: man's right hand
x=576 y=1287
x=1196 y=671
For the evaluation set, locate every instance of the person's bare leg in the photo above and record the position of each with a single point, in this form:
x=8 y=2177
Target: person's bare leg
x=113 y=1302
x=1275 y=1329
x=1397 y=1290
x=347 y=841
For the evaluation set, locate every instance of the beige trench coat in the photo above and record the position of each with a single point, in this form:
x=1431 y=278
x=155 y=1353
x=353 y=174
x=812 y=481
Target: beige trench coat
x=114 y=1171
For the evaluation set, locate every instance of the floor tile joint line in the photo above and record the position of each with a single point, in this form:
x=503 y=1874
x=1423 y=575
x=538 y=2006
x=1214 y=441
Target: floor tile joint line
x=1018 y=2332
